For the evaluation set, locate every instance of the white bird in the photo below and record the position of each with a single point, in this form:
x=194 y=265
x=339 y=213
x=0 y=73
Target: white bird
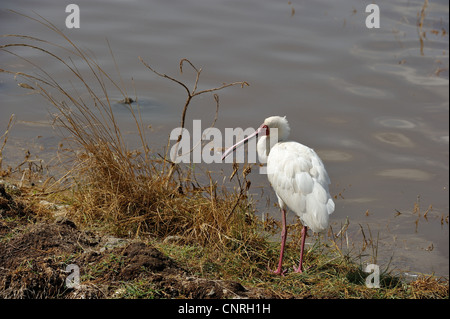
x=298 y=177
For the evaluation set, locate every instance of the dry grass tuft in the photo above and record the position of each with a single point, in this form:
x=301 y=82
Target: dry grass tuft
x=429 y=287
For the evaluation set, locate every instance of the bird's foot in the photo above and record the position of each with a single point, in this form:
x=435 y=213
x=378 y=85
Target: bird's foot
x=297 y=270
x=279 y=271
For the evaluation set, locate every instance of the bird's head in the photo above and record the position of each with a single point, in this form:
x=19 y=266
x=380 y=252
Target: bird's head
x=280 y=123
x=274 y=122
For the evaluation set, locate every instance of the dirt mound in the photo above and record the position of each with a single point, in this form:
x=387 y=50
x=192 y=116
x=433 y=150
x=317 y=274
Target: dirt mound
x=34 y=258
x=12 y=214
x=137 y=261
x=140 y=257
x=32 y=262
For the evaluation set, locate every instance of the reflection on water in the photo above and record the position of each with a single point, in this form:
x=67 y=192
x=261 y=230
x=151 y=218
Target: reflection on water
x=372 y=106
x=407 y=173
x=396 y=123
x=396 y=139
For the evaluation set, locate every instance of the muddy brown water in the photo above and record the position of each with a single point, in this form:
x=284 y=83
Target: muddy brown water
x=369 y=101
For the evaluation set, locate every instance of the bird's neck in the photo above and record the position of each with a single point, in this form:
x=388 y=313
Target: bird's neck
x=264 y=146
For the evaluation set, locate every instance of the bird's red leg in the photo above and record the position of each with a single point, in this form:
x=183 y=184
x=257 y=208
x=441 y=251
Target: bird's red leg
x=299 y=269
x=283 y=242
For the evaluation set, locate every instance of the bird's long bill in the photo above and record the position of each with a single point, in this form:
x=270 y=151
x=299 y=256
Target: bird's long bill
x=244 y=141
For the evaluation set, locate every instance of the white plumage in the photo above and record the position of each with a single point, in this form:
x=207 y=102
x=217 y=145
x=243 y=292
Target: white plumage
x=298 y=177
x=300 y=181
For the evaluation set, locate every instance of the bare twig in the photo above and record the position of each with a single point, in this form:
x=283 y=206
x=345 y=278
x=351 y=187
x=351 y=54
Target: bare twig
x=242 y=188
x=421 y=18
x=190 y=95
x=5 y=138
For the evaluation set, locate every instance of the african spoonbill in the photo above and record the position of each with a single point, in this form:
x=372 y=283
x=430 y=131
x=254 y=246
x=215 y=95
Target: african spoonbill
x=298 y=177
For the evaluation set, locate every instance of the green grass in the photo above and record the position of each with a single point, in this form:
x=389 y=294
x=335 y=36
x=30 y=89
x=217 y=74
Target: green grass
x=138 y=289
x=328 y=274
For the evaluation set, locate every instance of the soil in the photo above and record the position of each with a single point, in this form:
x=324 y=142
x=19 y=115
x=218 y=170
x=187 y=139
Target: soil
x=35 y=254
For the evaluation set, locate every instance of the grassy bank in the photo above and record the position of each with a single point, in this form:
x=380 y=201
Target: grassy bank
x=39 y=240
x=137 y=224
